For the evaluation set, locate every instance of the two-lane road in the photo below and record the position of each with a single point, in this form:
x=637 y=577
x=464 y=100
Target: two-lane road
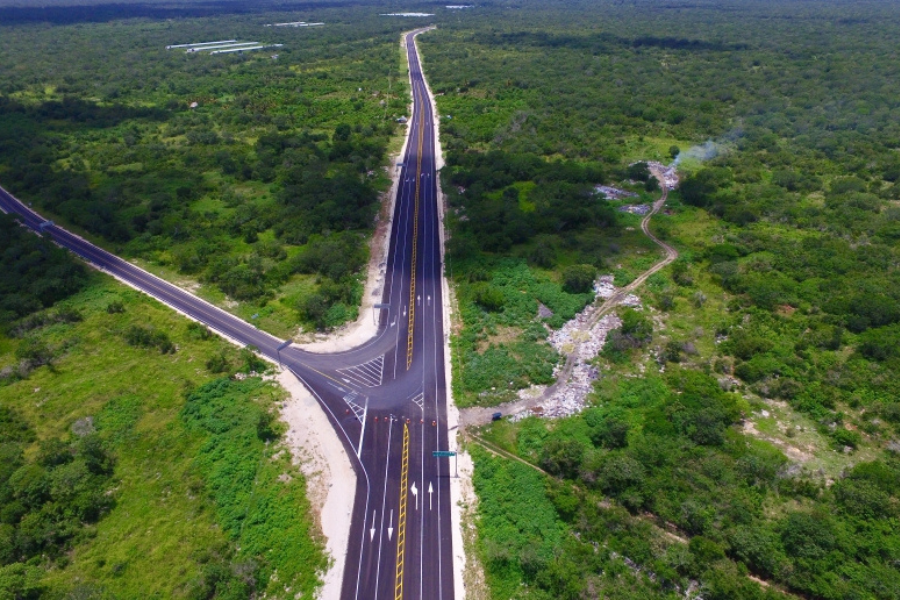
x=386 y=399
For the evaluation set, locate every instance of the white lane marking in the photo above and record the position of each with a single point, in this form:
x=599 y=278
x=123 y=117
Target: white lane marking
x=362 y=434
x=387 y=464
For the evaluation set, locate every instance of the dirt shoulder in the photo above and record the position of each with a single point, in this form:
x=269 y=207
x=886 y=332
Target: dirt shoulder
x=330 y=479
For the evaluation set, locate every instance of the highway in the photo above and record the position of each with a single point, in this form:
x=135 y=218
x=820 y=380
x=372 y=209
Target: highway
x=386 y=399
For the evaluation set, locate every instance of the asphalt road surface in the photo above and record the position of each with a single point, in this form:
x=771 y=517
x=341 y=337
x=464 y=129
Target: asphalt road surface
x=386 y=399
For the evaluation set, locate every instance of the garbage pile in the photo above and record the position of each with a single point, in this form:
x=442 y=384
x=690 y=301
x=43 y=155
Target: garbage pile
x=668 y=173
x=585 y=342
x=603 y=287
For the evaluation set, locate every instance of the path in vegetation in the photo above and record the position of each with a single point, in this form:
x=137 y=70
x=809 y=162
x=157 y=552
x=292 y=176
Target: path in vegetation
x=477 y=415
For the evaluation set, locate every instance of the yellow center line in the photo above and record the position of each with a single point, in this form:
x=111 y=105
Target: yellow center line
x=411 y=325
x=401 y=521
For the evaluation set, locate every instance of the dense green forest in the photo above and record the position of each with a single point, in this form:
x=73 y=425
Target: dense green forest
x=277 y=165
x=744 y=422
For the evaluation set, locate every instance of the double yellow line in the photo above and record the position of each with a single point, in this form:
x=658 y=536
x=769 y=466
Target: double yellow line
x=410 y=328
x=401 y=521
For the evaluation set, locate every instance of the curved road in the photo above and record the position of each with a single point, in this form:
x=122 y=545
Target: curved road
x=386 y=399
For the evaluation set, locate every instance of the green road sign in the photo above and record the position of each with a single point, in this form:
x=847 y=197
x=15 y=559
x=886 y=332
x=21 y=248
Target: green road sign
x=443 y=453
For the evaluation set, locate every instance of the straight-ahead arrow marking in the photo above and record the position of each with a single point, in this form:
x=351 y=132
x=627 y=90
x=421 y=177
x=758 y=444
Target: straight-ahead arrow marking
x=391 y=525
x=430 y=491
x=372 y=531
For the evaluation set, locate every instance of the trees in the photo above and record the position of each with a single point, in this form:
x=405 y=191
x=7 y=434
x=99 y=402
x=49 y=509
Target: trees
x=579 y=279
x=35 y=274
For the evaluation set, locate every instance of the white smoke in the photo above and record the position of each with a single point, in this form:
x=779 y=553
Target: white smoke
x=709 y=149
x=705 y=151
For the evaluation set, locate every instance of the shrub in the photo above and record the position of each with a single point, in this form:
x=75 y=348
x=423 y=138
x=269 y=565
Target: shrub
x=145 y=337
x=488 y=297
x=579 y=279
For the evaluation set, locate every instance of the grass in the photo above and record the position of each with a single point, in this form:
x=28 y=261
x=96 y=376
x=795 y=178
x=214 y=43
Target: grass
x=651 y=148
x=164 y=527
x=277 y=316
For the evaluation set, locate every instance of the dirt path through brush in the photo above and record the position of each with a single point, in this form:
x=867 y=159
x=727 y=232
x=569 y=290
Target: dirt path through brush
x=479 y=415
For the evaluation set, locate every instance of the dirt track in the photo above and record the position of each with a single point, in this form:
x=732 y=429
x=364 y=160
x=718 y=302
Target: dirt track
x=479 y=415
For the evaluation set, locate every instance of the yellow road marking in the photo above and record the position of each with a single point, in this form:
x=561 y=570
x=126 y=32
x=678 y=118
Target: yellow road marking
x=327 y=376
x=411 y=325
x=401 y=521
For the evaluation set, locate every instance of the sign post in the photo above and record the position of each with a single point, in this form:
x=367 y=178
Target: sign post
x=376 y=308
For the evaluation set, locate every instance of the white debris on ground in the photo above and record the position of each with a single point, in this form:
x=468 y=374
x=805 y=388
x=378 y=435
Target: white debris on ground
x=603 y=287
x=631 y=301
x=614 y=193
x=584 y=341
x=669 y=175
x=636 y=209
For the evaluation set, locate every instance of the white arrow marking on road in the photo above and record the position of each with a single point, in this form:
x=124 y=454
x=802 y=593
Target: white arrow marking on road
x=419 y=299
x=415 y=492
x=372 y=531
x=391 y=526
x=404 y=310
x=429 y=300
x=430 y=490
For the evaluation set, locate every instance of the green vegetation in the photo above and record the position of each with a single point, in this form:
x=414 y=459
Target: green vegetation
x=255 y=506
x=278 y=158
x=666 y=446
x=128 y=472
x=781 y=313
x=502 y=345
x=36 y=274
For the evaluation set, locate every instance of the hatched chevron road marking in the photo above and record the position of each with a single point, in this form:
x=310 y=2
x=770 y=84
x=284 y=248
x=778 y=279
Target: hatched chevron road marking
x=367 y=374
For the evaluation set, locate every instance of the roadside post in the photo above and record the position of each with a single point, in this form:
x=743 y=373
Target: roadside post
x=376 y=308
